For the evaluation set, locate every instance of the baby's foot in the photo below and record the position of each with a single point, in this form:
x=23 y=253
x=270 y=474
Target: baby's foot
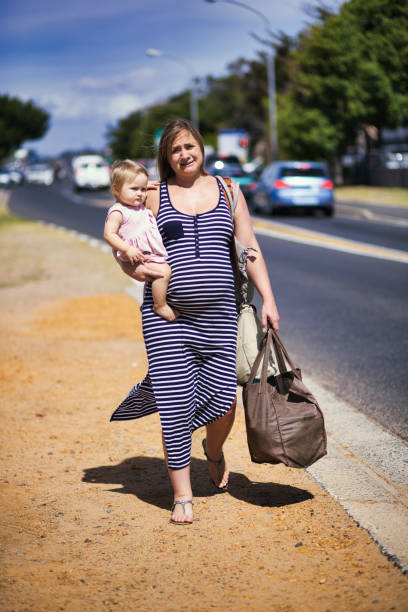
x=166 y=312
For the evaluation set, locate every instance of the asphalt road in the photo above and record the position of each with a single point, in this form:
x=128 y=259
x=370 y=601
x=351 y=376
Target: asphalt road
x=388 y=229
x=343 y=317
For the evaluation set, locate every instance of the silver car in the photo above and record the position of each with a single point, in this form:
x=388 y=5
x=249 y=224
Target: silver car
x=41 y=174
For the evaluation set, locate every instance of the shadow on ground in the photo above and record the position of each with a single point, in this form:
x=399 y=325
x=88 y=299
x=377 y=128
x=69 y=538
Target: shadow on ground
x=146 y=477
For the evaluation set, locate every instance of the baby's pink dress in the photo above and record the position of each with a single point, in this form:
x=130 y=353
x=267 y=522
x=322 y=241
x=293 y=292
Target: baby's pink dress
x=139 y=228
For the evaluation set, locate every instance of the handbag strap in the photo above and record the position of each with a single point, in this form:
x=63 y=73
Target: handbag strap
x=280 y=353
x=231 y=196
x=262 y=353
x=230 y=192
x=280 y=360
x=265 y=363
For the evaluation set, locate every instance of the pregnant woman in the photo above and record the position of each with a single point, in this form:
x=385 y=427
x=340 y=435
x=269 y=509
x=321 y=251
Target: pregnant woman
x=191 y=380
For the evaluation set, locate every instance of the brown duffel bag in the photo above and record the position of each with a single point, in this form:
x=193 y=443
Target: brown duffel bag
x=284 y=423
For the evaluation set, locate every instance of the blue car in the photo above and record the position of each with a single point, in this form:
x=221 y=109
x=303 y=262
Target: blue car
x=294 y=185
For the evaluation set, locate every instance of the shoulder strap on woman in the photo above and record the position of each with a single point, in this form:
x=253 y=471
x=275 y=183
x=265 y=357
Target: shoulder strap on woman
x=230 y=192
x=232 y=196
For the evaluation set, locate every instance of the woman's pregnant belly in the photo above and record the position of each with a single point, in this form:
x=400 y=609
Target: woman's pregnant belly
x=198 y=284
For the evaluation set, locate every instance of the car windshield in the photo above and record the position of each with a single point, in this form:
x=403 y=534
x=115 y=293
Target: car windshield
x=93 y=165
x=227 y=169
x=301 y=172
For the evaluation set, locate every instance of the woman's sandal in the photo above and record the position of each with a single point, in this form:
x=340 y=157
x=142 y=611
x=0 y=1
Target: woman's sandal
x=217 y=462
x=182 y=503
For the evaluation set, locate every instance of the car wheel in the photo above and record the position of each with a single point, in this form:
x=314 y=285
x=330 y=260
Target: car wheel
x=329 y=211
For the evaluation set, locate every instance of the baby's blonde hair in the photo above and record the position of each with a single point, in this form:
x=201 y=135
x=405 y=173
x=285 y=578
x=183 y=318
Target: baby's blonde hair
x=123 y=171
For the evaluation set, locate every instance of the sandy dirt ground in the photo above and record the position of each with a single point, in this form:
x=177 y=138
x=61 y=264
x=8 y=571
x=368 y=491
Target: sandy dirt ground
x=86 y=503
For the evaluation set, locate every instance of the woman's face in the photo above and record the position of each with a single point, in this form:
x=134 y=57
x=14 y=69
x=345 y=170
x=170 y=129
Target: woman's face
x=185 y=157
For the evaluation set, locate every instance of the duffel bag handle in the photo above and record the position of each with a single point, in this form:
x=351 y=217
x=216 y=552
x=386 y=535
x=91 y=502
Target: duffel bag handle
x=281 y=354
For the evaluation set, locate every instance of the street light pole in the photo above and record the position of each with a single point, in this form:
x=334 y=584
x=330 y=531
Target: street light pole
x=270 y=64
x=193 y=94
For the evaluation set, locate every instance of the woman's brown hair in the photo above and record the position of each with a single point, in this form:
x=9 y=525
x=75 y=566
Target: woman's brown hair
x=169 y=134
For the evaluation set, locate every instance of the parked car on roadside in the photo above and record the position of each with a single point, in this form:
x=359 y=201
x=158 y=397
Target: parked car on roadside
x=294 y=185
x=228 y=165
x=10 y=177
x=90 y=172
x=16 y=176
x=5 y=176
x=40 y=174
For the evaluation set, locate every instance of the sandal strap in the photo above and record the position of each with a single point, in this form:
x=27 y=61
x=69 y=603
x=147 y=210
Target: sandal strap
x=182 y=503
x=216 y=461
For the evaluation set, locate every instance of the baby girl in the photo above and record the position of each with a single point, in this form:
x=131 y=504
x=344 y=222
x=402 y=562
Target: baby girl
x=131 y=229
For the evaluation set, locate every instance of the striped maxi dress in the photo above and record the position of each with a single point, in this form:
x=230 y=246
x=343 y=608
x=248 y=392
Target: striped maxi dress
x=191 y=379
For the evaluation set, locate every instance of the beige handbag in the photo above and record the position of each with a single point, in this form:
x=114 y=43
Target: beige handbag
x=249 y=342
x=250 y=334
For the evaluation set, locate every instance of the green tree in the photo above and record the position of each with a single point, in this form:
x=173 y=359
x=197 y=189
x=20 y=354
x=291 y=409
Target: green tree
x=20 y=121
x=304 y=133
x=352 y=68
x=343 y=74
x=134 y=135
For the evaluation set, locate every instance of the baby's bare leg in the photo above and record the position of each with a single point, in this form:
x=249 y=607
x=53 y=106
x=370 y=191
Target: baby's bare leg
x=159 y=292
x=143 y=272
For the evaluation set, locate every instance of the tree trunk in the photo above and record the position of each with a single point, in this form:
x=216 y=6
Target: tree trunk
x=338 y=171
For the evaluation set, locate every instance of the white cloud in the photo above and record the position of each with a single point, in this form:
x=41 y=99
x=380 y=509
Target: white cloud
x=122 y=105
x=62 y=106
x=108 y=105
x=135 y=81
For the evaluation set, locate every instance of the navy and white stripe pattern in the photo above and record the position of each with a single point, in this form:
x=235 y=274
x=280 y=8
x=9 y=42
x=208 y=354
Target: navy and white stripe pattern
x=192 y=372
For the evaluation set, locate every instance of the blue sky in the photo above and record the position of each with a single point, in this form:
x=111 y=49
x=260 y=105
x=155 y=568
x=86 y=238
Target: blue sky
x=85 y=61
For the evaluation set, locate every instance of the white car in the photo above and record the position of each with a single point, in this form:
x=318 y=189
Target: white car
x=8 y=176
x=41 y=174
x=90 y=172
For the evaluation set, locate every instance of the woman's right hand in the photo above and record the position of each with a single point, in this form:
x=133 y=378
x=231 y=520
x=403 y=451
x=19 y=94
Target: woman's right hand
x=129 y=269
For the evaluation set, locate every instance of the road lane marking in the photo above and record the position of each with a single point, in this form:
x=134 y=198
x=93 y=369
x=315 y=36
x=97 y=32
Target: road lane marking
x=363 y=213
x=374 y=201
x=283 y=231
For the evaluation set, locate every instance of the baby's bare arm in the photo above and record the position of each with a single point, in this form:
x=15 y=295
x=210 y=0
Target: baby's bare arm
x=111 y=229
x=112 y=237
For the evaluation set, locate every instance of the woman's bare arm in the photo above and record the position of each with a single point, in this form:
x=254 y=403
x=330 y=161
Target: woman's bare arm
x=256 y=266
x=153 y=199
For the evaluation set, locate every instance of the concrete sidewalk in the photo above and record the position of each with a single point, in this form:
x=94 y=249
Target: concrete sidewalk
x=86 y=503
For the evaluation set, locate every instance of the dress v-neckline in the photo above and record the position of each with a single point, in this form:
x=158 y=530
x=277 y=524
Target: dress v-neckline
x=197 y=214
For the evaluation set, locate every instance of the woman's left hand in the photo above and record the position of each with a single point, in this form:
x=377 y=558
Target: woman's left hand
x=153 y=185
x=270 y=316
